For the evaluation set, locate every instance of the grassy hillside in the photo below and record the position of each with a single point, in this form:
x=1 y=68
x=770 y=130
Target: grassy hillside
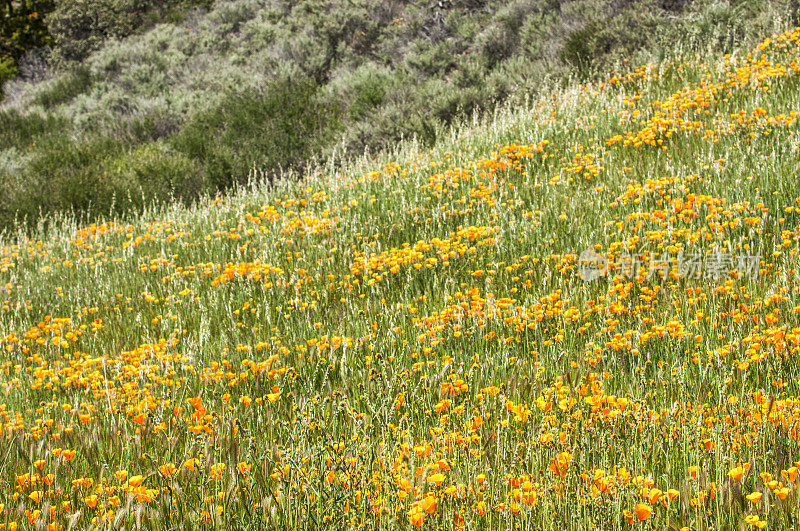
x=408 y=341
x=122 y=112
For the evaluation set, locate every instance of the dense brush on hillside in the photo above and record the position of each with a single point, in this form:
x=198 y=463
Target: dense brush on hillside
x=123 y=110
x=579 y=313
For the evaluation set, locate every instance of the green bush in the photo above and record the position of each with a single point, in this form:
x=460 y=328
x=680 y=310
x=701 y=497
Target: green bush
x=22 y=130
x=8 y=69
x=585 y=47
x=62 y=176
x=276 y=128
x=79 y=27
x=497 y=44
x=174 y=11
x=151 y=172
x=22 y=30
x=153 y=125
x=362 y=90
x=97 y=177
x=432 y=59
x=65 y=88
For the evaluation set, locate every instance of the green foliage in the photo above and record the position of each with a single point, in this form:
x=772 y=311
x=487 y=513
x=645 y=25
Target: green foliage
x=150 y=127
x=62 y=176
x=8 y=70
x=153 y=171
x=22 y=130
x=362 y=90
x=585 y=46
x=66 y=88
x=22 y=29
x=76 y=28
x=430 y=60
x=609 y=38
x=23 y=26
x=214 y=87
x=174 y=11
x=98 y=176
x=79 y=27
x=275 y=128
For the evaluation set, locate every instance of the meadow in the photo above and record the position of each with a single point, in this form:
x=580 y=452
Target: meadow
x=407 y=341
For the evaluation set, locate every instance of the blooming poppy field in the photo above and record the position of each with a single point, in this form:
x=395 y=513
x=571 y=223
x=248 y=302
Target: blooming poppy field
x=411 y=342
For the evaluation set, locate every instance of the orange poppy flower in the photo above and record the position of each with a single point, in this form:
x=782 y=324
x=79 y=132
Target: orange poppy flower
x=642 y=511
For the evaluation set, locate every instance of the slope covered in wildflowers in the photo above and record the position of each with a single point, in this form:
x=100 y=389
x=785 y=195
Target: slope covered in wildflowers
x=135 y=101
x=415 y=341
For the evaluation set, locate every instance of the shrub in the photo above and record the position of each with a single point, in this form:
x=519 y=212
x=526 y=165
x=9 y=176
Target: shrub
x=584 y=47
x=432 y=59
x=62 y=175
x=277 y=127
x=65 y=88
x=79 y=27
x=152 y=126
x=20 y=131
x=8 y=70
x=444 y=101
x=362 y=90
x=497 y=44
x=538 y=37
x=22 y=31
x=174 y=11
x=98 y=176
x=151 y=172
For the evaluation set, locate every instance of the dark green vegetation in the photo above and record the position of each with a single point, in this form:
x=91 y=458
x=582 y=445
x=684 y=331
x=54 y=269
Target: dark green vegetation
x=69 y=30
x=22 y=29
x=144 y=100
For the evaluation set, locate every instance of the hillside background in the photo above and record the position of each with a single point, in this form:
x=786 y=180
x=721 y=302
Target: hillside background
x=110 y=105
